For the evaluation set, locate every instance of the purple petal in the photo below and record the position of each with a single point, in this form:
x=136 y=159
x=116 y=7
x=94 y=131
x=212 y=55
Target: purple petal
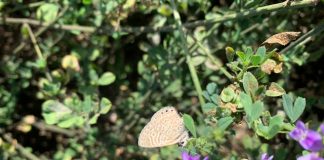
x=206 y=158
x=312 y=141
x=296 y=134
x=196 y=157
x=185 y=155
x=301 y=125
x=299 y=132
x=311 y=156
x=270 y=158
x=322 y=128
x=265 y=156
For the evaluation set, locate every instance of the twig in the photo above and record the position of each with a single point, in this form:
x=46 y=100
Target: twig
x=20 y=148
x=34 y=41
x=145 y=29
x=37 y=49
x=41 y=30
x=212 y=58
x=192 y=69
x=309 y=34
x=30 y=5
x=43 y=126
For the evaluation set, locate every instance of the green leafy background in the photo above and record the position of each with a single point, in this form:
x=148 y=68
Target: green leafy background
x=80 y=79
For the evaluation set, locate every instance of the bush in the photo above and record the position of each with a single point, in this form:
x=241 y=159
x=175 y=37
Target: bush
x=80 y=79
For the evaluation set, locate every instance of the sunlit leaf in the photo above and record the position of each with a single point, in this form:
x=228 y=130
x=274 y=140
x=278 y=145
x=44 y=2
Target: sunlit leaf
x=190 y=124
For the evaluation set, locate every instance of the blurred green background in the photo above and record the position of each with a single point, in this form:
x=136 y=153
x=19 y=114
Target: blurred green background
x=80 y=78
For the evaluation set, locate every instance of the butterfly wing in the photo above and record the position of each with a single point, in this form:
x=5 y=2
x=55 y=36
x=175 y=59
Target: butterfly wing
x=165 y=128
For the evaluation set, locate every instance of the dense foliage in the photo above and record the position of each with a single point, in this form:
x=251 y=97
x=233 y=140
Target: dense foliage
x=80 y=79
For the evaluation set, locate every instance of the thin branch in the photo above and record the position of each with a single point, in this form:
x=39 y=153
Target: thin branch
x=23 y=151
x=212 y=58
x=45 y=127
x=192 y=69
x=37 y=49
x=41 y=30
x=34 y=41
x=145 y=29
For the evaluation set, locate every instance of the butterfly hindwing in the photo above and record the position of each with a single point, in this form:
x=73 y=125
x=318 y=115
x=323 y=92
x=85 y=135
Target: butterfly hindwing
x=166 y=127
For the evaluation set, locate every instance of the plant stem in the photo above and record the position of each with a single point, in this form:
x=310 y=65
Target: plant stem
x=20 y=148
x=212 y=58
x=41 y=30
x=144 y=29
x=192 y=69
x=43 y=126
x=34 y=41
x=37 y=49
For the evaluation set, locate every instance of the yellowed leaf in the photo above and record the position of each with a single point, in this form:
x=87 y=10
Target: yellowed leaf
x=282 y=38
x=268 y=66
x=29 y=119
x=70 y=62
x=278 y=68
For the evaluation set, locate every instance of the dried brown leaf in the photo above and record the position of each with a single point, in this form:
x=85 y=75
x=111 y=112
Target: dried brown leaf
x=282 y=38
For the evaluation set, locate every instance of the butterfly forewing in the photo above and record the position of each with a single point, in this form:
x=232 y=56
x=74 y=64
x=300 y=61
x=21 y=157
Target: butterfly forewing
x=165 y=128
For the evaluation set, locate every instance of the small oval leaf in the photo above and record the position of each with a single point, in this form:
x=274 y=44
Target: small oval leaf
x=190 y=124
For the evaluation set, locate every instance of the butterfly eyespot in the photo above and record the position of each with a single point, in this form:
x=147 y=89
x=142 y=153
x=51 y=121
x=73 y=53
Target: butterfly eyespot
x=166 y=110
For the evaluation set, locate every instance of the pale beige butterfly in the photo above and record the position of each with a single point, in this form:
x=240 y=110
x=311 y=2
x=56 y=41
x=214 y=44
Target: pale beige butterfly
x=165 y=128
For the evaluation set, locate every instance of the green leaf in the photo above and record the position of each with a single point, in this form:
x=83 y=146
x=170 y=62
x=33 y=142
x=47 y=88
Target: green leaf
x=248 y=52
x=87 y=104
x=198 y=60
x=106 y=79
x=261 y=52
x=208 y=107
x=293 y=111
x=50 y=118
x=241 y=56
x=211 y=88
x=215 y=99
x=250 y=83
x=105 y=105
x=47 y=12
x=230 y=53
x=253 y=110
x=206 y=95
x=67 y=123
x=224 y=122
x=52 y=106
x=288 y=106
x=40 y=63
x=165 y=10
x=190 y=125
x=94 y=119
x=275 y=90
x=255 y=60
x=256 y=110
x=227 y=94
x=299 y=107
x=246 y=101
x=86 y=2
x=273 y=129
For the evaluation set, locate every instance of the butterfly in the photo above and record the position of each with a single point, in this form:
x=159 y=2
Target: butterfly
x=166 y=127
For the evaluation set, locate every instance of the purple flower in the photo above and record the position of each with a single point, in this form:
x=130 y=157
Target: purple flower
x=322 y=128
x=186 y=156
x=265 y=156
x=311 y=156
x=307 y=138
